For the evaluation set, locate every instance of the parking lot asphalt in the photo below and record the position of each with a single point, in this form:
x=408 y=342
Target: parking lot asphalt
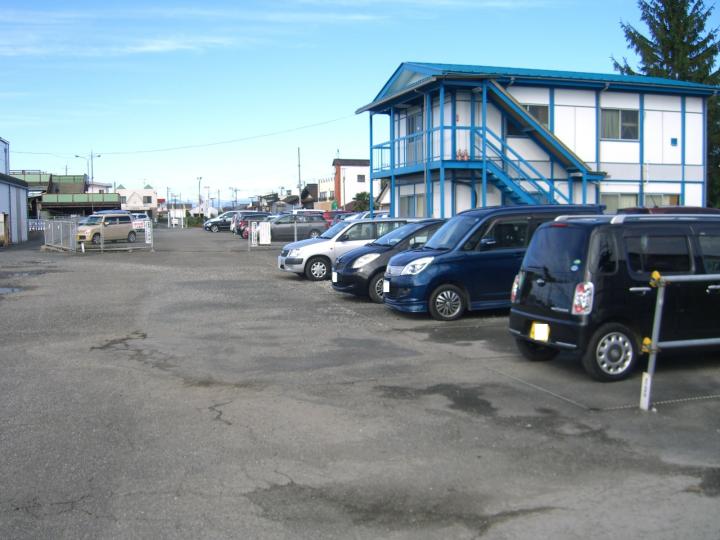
x=198 y=392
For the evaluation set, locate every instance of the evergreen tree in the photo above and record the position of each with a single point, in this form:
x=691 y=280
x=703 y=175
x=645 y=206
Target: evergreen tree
x=679 y=47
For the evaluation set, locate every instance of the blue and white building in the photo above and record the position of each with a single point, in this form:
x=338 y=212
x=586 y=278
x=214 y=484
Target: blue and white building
x=472 y=136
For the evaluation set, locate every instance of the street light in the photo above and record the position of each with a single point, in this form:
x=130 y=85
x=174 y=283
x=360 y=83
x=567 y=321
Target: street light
x=89 y=161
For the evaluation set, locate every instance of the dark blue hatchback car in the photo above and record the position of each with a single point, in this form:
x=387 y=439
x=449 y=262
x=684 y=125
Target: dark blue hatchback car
x=470 y=262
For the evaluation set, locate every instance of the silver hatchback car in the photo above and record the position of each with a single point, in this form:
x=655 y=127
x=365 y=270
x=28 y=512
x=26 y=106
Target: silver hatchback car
x=314 y=257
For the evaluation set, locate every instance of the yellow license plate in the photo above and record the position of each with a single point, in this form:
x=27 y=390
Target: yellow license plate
x=540 y=331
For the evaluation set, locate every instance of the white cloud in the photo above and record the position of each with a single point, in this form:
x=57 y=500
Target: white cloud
x=156 y=30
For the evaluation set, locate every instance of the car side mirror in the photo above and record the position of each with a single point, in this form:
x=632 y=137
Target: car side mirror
x=105 y=223
x=487 y=242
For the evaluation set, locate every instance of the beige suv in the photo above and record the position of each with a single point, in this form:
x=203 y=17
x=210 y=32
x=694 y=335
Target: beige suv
x=106 y=227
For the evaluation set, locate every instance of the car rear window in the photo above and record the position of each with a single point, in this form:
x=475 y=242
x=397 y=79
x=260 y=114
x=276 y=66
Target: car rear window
x=666 y=254
x=557 y=249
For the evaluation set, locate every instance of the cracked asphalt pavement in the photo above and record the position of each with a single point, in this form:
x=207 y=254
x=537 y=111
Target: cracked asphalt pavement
x=198 y=392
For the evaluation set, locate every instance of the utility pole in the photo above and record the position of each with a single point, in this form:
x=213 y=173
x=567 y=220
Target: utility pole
x=299 y=182
x=199 y=196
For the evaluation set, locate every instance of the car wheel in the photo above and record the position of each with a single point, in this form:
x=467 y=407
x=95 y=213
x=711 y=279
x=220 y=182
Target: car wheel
x=447 y=303
x=317 y=269
x=131 y=236
x=375 y=288
x=96 y=239
x=214 y=228
x=314 y=233
x=534 y=351
x=612 y=353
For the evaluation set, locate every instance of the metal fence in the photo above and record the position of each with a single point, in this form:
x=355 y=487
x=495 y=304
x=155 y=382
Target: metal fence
x=653 y=344
x=60 y=234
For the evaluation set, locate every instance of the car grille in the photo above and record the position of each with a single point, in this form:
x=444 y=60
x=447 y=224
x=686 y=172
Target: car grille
x=284 y=252
x=394 y=270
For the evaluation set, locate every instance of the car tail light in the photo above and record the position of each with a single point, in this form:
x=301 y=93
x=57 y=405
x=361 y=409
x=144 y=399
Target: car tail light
x=583 y=298
x=516 y=288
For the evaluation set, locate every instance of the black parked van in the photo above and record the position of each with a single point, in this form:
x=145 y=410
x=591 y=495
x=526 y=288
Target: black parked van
x=584 y=285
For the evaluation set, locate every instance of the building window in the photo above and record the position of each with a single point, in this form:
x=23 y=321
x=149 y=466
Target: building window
x=541 y=113
x=361 y=178
x=322 y=196
x=615 y=201
x=147 y=200
x=331 y=195
x=619 y=124
x=656 y=199
x=412 y=205
x=123 y=200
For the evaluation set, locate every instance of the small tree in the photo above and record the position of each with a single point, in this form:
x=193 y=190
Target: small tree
x=679 y=47
x=361 y=202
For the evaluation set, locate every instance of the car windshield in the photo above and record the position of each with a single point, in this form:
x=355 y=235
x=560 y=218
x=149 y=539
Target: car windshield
x=398 y=235
x=451 y=233
x=557 y=250
x=334 y=230
x=92 y=220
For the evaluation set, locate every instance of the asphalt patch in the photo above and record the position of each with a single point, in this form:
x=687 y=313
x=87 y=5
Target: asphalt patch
x=462 y=398
x=390 y=507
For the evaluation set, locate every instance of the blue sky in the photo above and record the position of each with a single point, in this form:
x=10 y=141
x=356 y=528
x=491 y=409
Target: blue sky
x=126 y=79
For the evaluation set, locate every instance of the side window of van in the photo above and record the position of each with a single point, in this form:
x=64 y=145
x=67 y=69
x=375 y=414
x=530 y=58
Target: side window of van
x=124 y=219
x=360 y=231
x=710 y=248
x=506 y=234
x=666 y=254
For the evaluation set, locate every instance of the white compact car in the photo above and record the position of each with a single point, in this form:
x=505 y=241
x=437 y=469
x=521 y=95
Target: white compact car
x=314 y=257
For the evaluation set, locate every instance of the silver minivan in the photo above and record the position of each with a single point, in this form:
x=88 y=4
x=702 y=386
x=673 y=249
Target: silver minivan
x=314 y=257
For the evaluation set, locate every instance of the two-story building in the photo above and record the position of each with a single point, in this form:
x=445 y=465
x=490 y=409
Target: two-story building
x=139 y=200
x=350 y=177
x=472 y=136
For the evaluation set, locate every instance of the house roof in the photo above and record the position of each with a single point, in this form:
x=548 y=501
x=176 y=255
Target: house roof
x=413 y=75
x=7 y=179
x=351 y=162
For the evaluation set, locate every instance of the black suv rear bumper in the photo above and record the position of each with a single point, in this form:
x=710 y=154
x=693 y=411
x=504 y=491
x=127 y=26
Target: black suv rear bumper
x=564 y=334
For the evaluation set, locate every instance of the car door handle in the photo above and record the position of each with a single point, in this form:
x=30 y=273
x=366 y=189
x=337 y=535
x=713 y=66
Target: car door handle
x=540 y=281
x=712 y=289
x=640 y=290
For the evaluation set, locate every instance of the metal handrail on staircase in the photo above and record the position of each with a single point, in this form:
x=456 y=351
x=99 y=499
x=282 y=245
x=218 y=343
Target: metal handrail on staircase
x=523 y=176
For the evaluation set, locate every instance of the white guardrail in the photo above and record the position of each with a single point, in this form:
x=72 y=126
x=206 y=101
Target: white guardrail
x=653 y=345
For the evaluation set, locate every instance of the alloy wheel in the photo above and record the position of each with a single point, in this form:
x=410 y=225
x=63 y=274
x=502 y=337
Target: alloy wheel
x=614 y=353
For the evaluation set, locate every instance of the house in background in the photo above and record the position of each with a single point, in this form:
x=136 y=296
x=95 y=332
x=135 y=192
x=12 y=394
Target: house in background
x=350 y=177
x=139 y=200
x=473 y=136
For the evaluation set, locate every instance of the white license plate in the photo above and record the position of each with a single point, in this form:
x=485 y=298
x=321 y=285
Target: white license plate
x=386 y=286
x=334 y=277
x=540 y=331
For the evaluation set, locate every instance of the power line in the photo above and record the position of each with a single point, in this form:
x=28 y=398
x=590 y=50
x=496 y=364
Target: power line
x=206 y=145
